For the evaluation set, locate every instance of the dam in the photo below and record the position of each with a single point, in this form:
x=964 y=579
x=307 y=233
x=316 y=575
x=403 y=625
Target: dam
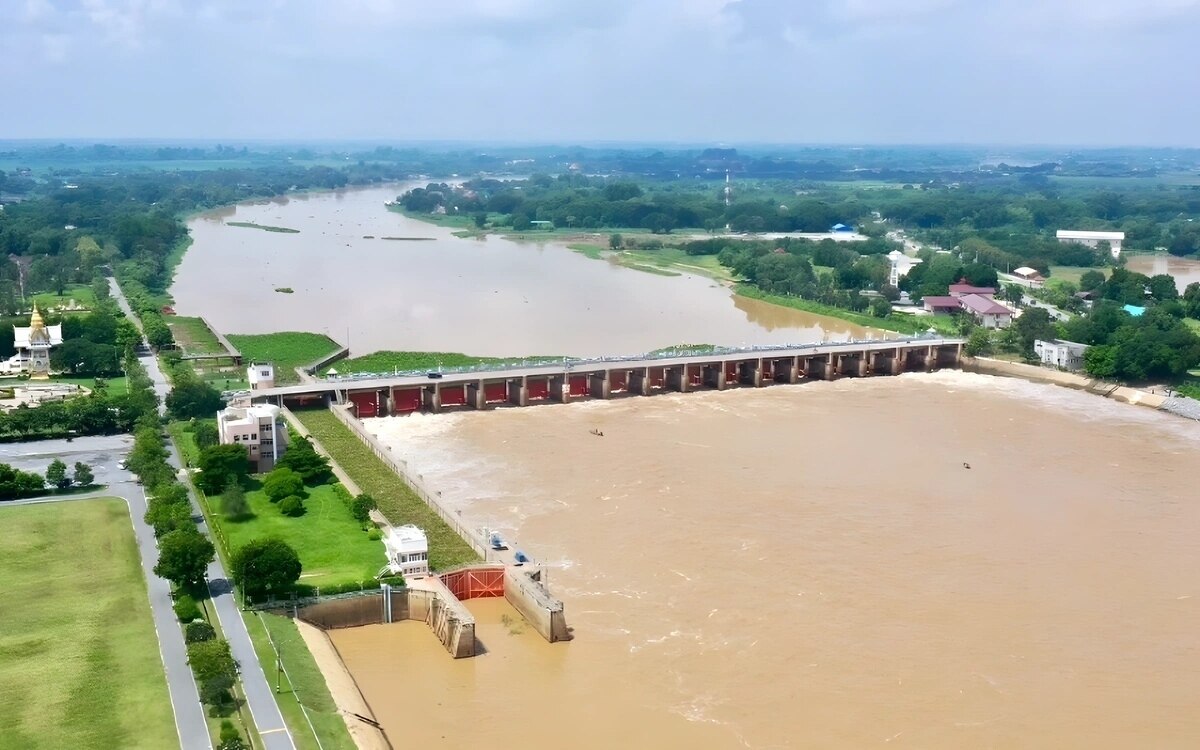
x=521 y=384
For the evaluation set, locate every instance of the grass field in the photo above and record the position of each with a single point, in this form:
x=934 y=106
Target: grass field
x=418 y=361
x=193 y=336
x=396 y=499
x=79 y=659
x=302 y=683
x=1073 y=273
x=287 y=350
x=118 y=386
x=332 y=547
x=81 y=293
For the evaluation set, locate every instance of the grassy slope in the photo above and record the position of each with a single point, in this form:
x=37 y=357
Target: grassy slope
x=897 y=322
x=79 y=660
x=193 y=336
x=332 y=547
x=396 y=499
x=306 y=684
x=287 y=350
x=402 y=361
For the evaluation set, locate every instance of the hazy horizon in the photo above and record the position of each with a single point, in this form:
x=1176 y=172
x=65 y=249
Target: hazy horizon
x=952 y=73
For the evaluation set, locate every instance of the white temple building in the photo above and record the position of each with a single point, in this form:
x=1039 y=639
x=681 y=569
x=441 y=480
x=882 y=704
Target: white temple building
x=33 y=345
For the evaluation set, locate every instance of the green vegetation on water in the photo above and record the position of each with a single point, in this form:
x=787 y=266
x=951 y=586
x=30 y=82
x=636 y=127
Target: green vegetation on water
x=396 y=499
x=595 y=252
x=264 y=227
x=193 y=336
x=286 y=350
x=332 y=547
x=79 y=662
x=387 y=361
x=285 y=290
x=302 y=683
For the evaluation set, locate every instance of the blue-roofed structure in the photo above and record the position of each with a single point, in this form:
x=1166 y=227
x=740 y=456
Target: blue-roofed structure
x=841 y=228
x=1134 y=310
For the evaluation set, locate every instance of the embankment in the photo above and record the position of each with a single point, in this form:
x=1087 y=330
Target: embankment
x=360 y=719
x=1033 y=373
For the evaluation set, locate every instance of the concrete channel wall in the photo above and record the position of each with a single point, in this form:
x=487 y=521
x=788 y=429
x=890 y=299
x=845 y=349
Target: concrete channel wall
x=433 y=604
x=526 y=592
x=1073 y=380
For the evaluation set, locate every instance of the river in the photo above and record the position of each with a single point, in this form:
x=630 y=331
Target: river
x=814 y=566
x=489 y=296
x=1185 y=270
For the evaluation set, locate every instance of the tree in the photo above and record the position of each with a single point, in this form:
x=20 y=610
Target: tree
x=1034 y=323
x=221 y=463
x=15 y=483
x=880 y=307
x=233 y=500
x=1091 y=280
x=480 y=219
x=183 y=556
x=198 y=630
x=193 y=398
x=127 y=336
x=1014 y=293
x=361 y=507
x=204 y=434
x=292 y=506
x=56 y=475
x=282 y=482
x=978 y=343
x=265 y=566
x=614 y=241
x=303 y=459
x=1162 y=287
x=167 y=516
x=83 y=474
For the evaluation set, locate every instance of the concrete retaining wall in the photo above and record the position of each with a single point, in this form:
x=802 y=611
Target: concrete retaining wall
x=526 y=592
x=1079 y=382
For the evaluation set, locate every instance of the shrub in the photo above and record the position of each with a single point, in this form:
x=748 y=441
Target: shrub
x=229 y=733
x=281 y=483
x=374 y=535
x=291 y=506
x=186 y=609
x=199 y=630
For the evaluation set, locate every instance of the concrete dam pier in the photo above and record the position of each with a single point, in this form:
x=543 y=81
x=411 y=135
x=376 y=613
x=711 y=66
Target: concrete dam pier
x=574 y=380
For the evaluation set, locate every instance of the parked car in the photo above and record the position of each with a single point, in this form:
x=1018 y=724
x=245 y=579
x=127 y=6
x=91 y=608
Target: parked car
x=435 y=375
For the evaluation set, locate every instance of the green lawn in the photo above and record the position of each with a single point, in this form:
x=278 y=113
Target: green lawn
x=81 y=293
x=332 y=547
x=193 y=336
x=396 y=499
x=417 y=361
x=303 y=683
x=1073 y=273
x=79 y=659
x=118 y=386
x=287 y=350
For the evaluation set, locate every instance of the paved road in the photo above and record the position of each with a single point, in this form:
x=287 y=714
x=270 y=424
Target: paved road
x=103 y=454
x=260 y=696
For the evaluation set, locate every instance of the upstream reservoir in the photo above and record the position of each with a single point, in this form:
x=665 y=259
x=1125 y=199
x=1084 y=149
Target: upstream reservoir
x=488 y=297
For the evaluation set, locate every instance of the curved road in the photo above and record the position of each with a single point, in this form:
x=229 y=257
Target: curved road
x=260 y=698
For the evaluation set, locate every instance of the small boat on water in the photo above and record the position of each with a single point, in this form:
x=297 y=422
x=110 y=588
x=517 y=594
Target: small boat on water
x=596 y=432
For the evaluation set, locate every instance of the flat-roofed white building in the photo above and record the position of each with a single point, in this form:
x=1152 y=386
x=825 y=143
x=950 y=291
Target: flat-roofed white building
x=1065 y=355
x=259 y=428
x=260 y=376
x=1093 y=239
x=407 y=552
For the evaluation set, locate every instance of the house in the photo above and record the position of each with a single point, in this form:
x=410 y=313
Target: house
x=1087 y=298
x=961 y=289
x=987 y=312
x=1065 y=355
x=1093 y=239
x=943 y=305
x=259 y=428
x=1029 y=275
x=260 y=376
x=407 y=551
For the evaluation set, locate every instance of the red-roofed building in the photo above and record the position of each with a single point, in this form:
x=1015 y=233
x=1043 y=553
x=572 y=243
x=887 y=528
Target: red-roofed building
x=989 y=312
x=960 y=290
x=941 y=304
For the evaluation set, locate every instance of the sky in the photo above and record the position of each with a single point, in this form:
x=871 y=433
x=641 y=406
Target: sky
x=1055 y=72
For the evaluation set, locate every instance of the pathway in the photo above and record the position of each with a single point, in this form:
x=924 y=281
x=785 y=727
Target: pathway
x=260 y=698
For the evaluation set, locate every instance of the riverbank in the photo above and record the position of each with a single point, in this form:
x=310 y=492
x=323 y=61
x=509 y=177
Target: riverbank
x=1035 y=374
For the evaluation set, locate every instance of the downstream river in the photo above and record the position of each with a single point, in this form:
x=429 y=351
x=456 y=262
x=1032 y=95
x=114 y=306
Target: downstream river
x=488 y=296
x=814 y=566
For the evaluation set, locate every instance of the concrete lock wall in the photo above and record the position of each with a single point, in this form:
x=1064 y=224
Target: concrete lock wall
x=528 y=595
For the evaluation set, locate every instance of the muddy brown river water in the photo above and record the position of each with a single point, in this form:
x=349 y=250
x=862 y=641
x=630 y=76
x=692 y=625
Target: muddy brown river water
x=813 y=566
x=488 y=296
